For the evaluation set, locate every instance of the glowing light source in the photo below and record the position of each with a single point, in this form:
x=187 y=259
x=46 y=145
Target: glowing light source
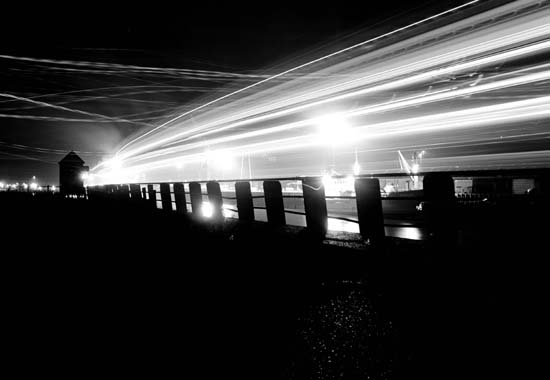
x=356 y=168
x=2 y=185
x=207 y=209
x=327 y=181
x=33 y=186
x=114 y=163
x=382 y=96
x=333 y=130
x=84 y=176
x=219 y=159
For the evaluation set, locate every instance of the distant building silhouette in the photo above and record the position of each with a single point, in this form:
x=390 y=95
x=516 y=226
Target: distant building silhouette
x=71 y=169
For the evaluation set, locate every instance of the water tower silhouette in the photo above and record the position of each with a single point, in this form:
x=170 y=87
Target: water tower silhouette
x=71 y=170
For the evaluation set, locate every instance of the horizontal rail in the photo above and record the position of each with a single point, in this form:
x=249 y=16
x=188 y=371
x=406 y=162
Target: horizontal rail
x=453 y=173
x=363 y=205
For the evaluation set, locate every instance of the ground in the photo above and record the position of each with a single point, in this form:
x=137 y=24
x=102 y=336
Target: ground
x=120 y=289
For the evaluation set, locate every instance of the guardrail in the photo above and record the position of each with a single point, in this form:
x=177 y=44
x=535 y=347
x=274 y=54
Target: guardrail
x=366 y=207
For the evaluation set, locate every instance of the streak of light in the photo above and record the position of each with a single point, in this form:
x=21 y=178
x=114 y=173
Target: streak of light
x=542 y=46
x=397 y=104
x=462 y=78
x=67 y=109
x=476 y=117
x=300 y=67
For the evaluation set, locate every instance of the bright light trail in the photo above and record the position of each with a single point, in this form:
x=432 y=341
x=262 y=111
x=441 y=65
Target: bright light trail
x=487 y=73
x=305 y=65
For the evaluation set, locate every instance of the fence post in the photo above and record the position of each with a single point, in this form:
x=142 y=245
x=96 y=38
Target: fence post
x=108 y=191
x=215 y=199
x=369 y=210
x=315 y=205
x=195 y=192
x=439 y=206
x=122 y=192
x=135 y=192
x=165 y=196
x=245 y=203
x=179 y=195
x=274 y=204
x=152 y=196
x=144 y=194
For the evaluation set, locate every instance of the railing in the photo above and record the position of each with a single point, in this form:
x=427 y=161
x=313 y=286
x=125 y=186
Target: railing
x=303 y=200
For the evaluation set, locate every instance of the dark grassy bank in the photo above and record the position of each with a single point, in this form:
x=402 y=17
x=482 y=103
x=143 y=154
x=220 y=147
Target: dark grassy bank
x=119 y=289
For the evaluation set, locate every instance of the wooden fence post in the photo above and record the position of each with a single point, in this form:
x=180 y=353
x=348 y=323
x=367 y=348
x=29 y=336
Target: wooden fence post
x=245 y=203
x=274 y=204
x=440 y=206
x=179 y=195
x=165 y=196
x=369 y=210
x=315 y=205
x=215 y=199
x=152 y=196
x=195 y=192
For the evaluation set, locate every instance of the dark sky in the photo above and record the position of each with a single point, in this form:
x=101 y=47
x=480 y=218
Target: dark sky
x=56 y=97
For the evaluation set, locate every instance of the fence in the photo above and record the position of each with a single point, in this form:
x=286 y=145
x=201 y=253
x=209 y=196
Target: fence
x=304 y=201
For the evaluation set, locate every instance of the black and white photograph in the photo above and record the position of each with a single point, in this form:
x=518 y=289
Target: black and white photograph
x=274 y=190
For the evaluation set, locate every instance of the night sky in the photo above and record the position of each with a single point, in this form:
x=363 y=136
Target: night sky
x=87 y=76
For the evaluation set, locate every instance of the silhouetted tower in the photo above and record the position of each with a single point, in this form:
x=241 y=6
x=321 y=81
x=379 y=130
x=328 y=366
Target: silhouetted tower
x=71 y=170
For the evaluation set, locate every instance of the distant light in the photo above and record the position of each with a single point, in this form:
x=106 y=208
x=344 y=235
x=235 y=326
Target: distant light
x=226 y=212
x=2 y=185
x=25 y=186
x=334 y=130
x=33 y=177
x=114 y=163
x=84 y=176
x=415 y=168
x=34 y=186
x=389 y=188
x=39 y=188
x=207 y=209
x=53 y=188
x=356 y=168
x=219 y=159
x=327 y=180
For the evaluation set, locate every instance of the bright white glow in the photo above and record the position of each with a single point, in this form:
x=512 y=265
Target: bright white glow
x=356 y=168
x=53 y=188
x=333 y=130
x=389 y=188
x=228 y=213
x=339 y=52
x=415 y=168
x=114 y=163
x=34 y=186
x=25 y=186
x=327 y=181
x=84 y=176
x=342 y=225
x=207 y=209
x=455 y=80
x=219 y=159
x=2 y=185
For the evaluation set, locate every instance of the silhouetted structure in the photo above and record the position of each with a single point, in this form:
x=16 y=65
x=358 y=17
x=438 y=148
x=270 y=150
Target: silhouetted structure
x=71 y=168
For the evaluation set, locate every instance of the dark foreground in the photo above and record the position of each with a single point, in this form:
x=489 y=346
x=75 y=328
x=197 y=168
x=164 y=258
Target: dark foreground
x=111 y=289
